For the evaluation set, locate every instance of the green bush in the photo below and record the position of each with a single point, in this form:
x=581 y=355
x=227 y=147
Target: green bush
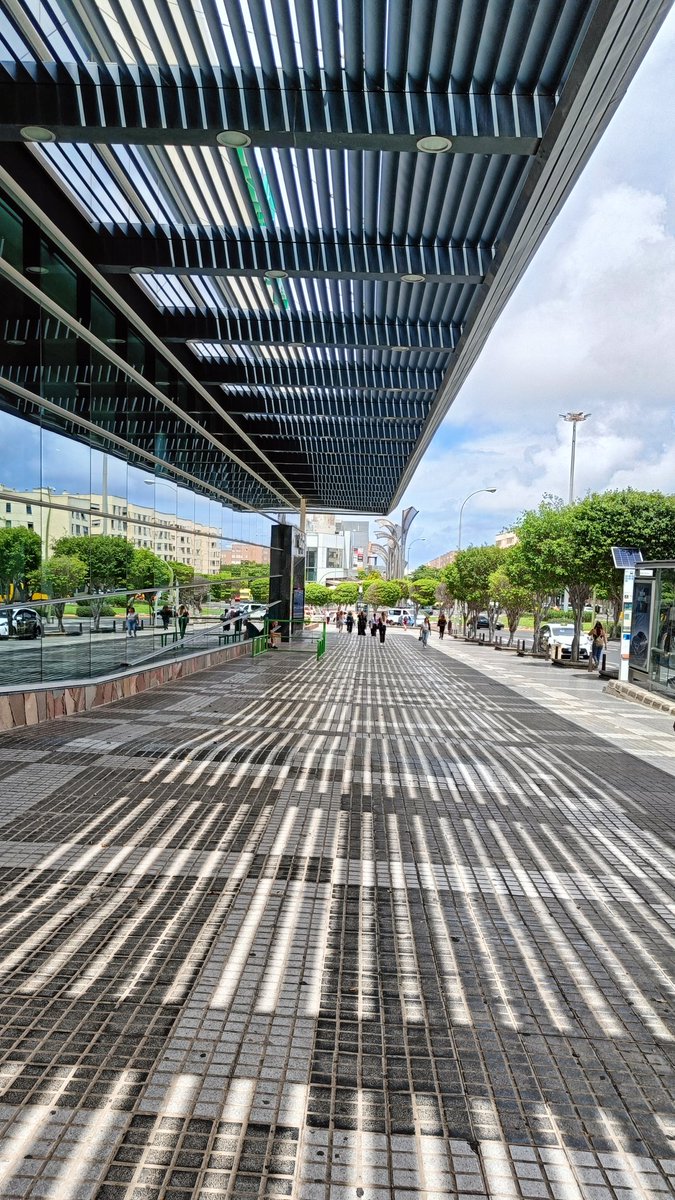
x=84 y=610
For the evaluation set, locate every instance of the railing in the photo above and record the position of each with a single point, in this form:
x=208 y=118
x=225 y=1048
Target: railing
x=321 y=644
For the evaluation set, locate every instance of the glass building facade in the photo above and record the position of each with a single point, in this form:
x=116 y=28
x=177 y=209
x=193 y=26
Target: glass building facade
x=96 y=442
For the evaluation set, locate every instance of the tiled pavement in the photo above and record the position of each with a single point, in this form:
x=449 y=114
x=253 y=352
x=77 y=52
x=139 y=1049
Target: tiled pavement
x=335 y=931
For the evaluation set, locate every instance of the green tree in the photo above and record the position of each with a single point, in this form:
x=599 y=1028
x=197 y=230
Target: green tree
x=344 y=593
x=61 y=576
x=537 y=563
x=148 y=570
x=468 y=579
x=260 y=589
x=645 y=520
x=509 y=597
x=183 y=576
x=558 y=556
x=20 y=554
x=403 y=586
x=108 y=560
x=423 y=591
x=385 y=593
x=317 y=595
x=425 y=572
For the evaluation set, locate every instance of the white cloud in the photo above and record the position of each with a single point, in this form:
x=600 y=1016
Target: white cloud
x=590 y=327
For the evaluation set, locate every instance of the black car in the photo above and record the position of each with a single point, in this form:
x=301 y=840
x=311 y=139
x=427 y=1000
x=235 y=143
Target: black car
x=483 y=623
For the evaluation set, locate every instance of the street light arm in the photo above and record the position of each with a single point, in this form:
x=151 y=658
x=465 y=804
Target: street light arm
x=465 y=501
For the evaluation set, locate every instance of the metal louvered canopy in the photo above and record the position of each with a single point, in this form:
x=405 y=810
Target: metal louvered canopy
x=313 y=211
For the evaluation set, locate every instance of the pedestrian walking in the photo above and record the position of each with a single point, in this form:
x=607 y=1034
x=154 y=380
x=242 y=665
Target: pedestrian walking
x=382 y=626
x=598 y=644
x=373 y=626
x=131 y=621
x=349 y=621
x=166 y=613
x=183 y=620
x=405 y=622
x=425 y=631
x=361 y=623
x=441 y=625
x=339 y=620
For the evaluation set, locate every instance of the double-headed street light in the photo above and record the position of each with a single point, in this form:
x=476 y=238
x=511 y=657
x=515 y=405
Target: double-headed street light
x=461 y=511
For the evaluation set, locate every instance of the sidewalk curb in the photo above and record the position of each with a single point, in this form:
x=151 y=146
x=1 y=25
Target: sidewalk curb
x=628 y=691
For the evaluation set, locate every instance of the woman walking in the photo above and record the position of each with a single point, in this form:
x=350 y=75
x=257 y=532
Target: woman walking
x=349 y=622
x=425 y=631
x=361 y=623
x=441 y=625
x=183 y=619
x=373 y=626
x=382 y=626
x=598 y=644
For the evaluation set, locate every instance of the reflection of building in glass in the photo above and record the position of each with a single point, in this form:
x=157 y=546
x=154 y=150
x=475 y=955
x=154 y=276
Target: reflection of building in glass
x=336 y=547
x=244 y=552
x=74 y=514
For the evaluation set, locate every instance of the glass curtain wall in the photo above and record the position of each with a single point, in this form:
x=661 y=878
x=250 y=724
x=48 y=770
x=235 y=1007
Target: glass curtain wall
x=105 y=547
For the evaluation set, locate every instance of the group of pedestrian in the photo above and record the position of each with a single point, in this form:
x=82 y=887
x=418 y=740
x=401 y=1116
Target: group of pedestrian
x=376 y=623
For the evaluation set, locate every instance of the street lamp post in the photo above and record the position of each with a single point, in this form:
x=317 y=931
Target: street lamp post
x=573 y=418
x=413 y=543
x=461 y=511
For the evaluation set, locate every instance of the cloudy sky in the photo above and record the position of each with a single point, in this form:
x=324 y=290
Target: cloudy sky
x=591 y=326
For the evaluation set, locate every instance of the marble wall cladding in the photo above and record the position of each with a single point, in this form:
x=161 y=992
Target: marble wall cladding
x=44 y=704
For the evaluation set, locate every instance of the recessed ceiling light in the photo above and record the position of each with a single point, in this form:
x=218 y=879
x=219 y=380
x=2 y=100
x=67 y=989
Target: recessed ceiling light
x=37 y=133
x=116 y=341
x=413 y=278
x=15 y=342
x=37 y=270
x=434 y=144
x=276 y=273
x=142 y=270
x=233 y=138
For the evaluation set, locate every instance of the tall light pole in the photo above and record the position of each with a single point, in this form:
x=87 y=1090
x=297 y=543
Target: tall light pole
x=476 y=493
x=573 y=418
x=413 y=543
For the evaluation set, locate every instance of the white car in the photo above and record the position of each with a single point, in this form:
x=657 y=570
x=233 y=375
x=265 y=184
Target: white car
x=563 y=635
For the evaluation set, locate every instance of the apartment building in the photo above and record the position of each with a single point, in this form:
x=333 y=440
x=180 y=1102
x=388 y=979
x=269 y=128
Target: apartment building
x=244 y=552
x=54 y=515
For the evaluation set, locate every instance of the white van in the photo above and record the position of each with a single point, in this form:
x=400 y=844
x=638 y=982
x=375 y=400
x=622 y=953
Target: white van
x=396 y=615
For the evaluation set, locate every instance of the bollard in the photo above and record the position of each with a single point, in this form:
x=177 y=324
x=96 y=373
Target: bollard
x=603 y=665
x=80 y=627
x=114 y=625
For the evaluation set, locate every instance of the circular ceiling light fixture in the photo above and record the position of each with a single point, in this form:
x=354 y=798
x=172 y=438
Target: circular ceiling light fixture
x=142 y=270
x=37 y=270
x=16 y=342
x=413 y=278
x=234 y=138
x=276 y=273
x=434 y=144
x=37 y=133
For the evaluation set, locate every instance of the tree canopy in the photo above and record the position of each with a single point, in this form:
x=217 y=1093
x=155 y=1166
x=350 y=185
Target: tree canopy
x=61 y=576
x=20 y=553
x=317 y=595
x=344 y=593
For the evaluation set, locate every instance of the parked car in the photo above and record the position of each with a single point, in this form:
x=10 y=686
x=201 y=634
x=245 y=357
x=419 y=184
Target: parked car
x=27 y=622
x=20 y=621
x=562 y=635
x=484 y=623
